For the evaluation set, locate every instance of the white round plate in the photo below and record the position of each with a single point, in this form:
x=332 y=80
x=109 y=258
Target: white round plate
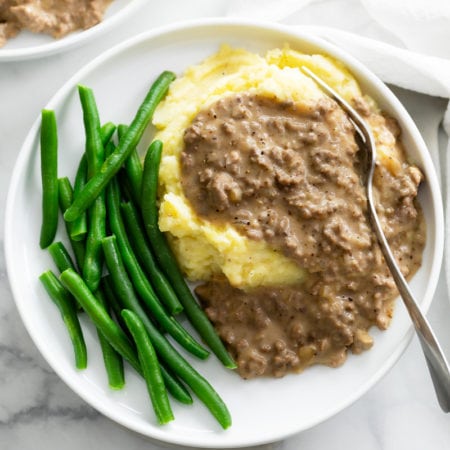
x=28 y=45
x=263 y=410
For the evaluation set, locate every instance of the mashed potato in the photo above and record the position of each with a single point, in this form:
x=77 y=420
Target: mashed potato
x=203 y=249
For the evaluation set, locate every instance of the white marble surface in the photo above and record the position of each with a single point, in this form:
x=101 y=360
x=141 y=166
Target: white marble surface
x=37 y=411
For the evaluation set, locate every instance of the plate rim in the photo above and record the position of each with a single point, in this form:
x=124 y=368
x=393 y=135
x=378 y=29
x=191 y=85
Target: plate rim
x=297 y=33
x=71 y=40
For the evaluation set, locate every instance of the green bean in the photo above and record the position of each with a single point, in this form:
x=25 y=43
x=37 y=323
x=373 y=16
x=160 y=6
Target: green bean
x=61 y=256
x=95 y=155
x=49 y=176
x=175 y=387
x=112 y=360
x=125 y=293
x=65 y=193
x=173 y=384
x=150 y=367
x=95 y=152
x=97 y=313
x=66 y=306
x=93 y=261
x=133 y=169
x=121 y=130
x=111 y=299
x=106 y=132
x=140 y=282
x=142 y=250
x=167 y=260
x=79 y=226
x=126 y=145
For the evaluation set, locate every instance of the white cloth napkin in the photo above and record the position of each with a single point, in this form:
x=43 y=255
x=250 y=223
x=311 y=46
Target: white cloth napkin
x=420 y=60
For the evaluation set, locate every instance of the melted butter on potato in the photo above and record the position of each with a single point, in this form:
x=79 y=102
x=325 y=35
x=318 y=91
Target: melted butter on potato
x=203 y=249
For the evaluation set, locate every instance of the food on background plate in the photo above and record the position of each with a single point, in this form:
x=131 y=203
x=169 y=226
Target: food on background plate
x=261 y=199
x=54 y=17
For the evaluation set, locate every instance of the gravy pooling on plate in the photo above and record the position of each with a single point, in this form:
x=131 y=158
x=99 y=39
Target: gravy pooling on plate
x=267 y=155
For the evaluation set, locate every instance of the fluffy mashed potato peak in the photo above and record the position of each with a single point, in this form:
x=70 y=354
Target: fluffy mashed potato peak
x=205 y=250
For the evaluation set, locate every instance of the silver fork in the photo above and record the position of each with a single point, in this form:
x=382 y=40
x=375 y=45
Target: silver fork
x=437 y=364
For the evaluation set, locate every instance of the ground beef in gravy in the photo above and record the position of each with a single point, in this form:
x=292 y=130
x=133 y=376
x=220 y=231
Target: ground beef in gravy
x=288 y=174
x=54 y=17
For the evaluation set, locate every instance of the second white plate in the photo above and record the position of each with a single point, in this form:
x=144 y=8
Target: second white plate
x=29 y=45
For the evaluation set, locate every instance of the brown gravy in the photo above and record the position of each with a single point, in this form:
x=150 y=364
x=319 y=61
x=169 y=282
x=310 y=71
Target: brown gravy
x=289 y=176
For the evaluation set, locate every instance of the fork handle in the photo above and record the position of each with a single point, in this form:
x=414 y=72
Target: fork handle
x=437 y=364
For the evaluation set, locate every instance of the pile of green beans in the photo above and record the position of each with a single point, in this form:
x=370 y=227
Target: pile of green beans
x=124 y=278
